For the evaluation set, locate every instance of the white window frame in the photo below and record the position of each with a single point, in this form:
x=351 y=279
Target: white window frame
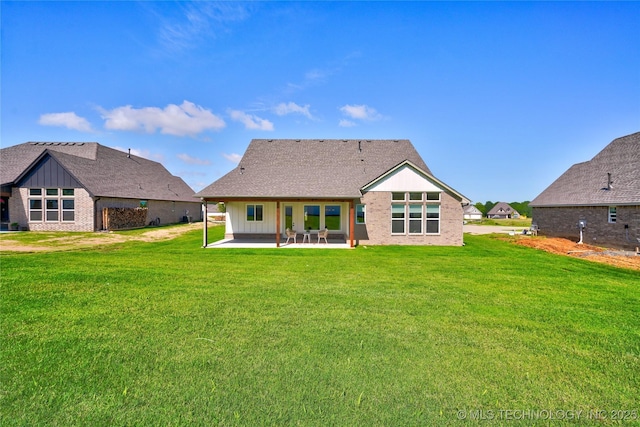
x=54 y=197
x=255 y=212
x=361 y=207
x=409 y=202
x=613 y=214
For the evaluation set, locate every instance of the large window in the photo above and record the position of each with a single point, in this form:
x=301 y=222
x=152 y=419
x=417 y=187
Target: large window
x=312 y=217
x=415 y=213
x=51 y=204
x=613 y=214
x=254 y=212
x=397 y=218
x=433 y=219
x=332 y=217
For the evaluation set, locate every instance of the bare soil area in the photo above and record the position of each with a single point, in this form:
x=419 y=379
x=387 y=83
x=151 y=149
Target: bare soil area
x=97 y=239
x=626 y=259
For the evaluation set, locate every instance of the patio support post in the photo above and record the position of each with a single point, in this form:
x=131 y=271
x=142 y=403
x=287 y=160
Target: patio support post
x=206 y=220
x=352 y=223
x=278 y=224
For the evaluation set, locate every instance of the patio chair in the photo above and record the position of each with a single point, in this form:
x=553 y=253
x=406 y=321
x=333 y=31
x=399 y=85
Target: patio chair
x=290 y=234
x=322 y=234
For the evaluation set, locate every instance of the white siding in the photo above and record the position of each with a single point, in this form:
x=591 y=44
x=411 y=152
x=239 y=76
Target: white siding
x=405 y=179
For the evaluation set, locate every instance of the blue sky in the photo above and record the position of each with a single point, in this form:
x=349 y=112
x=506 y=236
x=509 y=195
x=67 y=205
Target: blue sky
x=499 y=98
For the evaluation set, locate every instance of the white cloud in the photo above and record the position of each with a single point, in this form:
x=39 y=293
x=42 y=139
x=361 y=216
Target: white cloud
x=250 y=121
x=193 y=160
x=361 y=112
x=198 y=22
x=69 y=120
x=346 y=123
x=233 y=157
x=283 y=109
x=179 y=120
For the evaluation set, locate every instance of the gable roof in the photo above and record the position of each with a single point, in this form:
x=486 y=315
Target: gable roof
x=501 y=207
x=471 y=209
x=102 y=171
x=407 y=165
x=586 y=184
x=311 y=168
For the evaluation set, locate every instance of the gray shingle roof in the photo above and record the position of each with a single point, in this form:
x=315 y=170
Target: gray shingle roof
x=585 y=184
x=103 y=171
x=502 y=207
x=318 y=168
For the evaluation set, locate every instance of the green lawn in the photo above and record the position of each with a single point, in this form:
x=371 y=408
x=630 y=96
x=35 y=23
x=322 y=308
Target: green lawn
x=168 y=333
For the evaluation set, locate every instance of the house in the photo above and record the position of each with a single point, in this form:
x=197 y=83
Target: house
x=65 y=186
x=502 y=210
x=603 y=193
x=376 y=192
x=471 y=213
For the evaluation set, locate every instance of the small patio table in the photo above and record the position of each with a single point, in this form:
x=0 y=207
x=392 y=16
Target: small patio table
x=306 y=236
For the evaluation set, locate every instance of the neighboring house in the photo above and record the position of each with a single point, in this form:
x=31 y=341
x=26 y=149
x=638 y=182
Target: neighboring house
x=502 y=210
x=377 y=192
x=64 y=186
x=472 y=213
x=603 y=192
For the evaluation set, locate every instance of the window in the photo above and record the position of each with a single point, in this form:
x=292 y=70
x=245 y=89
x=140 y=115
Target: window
x=415 y=219
x=312 y=217
x=613 y=214
x=332 y=217
x=68 y=210
x=417 y=213
x=52 y=204
x=433 y=219
x=35 y=209
x=288 y=217
x=361 y=211
x=254 y=213
x=397 y=218
x=51 y=209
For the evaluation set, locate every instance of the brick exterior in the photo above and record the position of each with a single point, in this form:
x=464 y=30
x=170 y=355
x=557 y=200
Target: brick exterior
x=563 y=222
x=89 y=217
x=377 y=230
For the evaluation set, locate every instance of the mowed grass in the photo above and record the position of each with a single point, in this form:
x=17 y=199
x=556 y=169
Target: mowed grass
x=168 y=333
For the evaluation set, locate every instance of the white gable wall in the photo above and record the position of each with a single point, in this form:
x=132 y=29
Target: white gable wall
x=405 y=179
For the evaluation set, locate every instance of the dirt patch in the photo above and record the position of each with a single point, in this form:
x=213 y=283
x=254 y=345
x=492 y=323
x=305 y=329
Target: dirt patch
x=626 y=259
x=80 y=241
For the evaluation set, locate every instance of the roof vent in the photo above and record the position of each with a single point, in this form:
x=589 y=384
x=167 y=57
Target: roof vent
x=609 y=182
x=129 y=154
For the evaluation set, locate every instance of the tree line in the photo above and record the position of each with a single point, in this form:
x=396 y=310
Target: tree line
x=522 y=207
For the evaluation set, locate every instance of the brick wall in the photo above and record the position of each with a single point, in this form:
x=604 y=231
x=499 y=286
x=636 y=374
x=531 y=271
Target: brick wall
x=562 y=222
x=169 y=212
x=89 y=217
x=377 y=230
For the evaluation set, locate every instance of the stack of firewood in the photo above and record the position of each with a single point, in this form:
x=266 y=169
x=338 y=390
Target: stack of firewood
x=123 y=218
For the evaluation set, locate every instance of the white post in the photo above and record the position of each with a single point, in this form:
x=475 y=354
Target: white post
x=205 y=221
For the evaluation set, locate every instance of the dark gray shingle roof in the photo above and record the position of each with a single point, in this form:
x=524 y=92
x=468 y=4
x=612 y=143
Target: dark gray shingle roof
x=318 y=168
x=103 y=171
x=502 y=208
x=585 y=184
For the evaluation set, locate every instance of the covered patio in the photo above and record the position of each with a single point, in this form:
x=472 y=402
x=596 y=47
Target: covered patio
x=249 y=243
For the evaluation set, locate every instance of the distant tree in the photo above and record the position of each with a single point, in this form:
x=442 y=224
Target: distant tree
x=489 y=205
x=221 y=207
x=480 y=207
x=522 y=208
